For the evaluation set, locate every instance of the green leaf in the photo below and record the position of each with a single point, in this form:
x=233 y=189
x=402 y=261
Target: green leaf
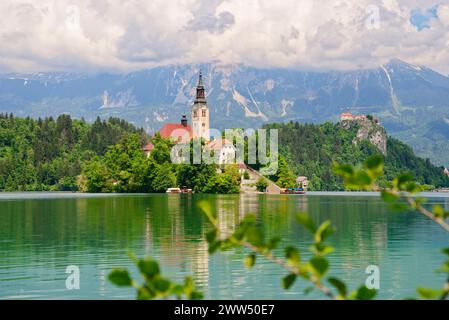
x=411 y=187
x=428 y=293
x=206 y=208
x=214 y=246
x=288 y=281
x=445 y=251
x=374 y=163
x=343 y=169
x=375 y=166
x=308 y=290
x=401 y=179
x=321 y=249
x=320 y=265
x=444 y=268
x=196 y=295
x=420 y=201
x=339 y=285
x=148 y=267
x=162 y=284
x=250 y=260
x=324 y=231
x=144 y=294
x=363 y=293
x=249 y=219
x=120 y=277
x=273 y=243
x=188 y=284
x=177 y=290
x=438 y=211
x=388 y=196
x=211 y=236
x=304 y=219
x=292 y=255
x=254 y=236
x=362 y=179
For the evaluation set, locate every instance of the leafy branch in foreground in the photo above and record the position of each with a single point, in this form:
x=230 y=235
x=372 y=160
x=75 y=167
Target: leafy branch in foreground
x=155 y=286
x=401 y=194
x=314 y=270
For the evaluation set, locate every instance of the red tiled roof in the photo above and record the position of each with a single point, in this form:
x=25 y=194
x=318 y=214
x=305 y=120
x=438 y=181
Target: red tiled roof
x=175 y=130
x=148 y=147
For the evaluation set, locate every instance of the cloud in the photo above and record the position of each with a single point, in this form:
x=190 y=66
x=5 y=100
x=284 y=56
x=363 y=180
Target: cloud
x=112 y=35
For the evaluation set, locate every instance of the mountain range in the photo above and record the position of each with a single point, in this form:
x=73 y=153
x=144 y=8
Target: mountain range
x=412 y=102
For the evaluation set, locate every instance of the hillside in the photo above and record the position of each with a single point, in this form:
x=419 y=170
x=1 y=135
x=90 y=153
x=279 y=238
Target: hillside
x=52 y=154
x=47 y=154
x=310 y=150
x=411 y=101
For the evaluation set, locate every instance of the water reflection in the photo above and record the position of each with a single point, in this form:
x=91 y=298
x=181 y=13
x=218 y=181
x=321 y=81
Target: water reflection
x=40 y=237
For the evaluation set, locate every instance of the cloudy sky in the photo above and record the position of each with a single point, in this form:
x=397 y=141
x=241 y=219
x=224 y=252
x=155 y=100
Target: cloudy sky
x=113 y=35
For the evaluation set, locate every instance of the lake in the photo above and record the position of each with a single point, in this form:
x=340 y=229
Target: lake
x=43 y=233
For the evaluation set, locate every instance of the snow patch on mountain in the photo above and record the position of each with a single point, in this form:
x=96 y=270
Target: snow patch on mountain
x=284 y=104
x=394 y=100
x=241 y=100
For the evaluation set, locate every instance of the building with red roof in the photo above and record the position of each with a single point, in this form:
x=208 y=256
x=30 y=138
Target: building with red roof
x=350 y=116
x=177 y=132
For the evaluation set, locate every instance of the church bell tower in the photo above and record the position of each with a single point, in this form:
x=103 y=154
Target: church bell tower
x=200 y=113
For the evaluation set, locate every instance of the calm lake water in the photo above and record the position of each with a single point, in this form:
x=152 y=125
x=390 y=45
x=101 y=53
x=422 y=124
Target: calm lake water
x=43 y=233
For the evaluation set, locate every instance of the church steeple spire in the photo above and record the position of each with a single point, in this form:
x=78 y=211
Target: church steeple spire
x=200 y=92
x=200 y=80
x=200 y=112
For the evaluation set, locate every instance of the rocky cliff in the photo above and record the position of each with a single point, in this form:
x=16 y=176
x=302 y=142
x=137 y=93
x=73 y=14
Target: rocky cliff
x=368 y=129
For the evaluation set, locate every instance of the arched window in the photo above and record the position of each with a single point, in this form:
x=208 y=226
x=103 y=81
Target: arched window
x=204 y=112
x=195 y=114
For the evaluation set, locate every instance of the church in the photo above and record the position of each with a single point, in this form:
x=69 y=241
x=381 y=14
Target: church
x=182 y=132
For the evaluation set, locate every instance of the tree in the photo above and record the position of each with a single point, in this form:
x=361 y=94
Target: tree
x=285 y=177
x=261 y=184
x=162 y=149
x=164 y=178
x=95 y=177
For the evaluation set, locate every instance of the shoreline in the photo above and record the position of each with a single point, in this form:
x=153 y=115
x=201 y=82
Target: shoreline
x=36 y=195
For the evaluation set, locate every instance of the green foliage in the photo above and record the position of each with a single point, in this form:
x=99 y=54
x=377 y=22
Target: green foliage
x=361 y=177
x=284 y=177
x=250 y=260
x=288 y=281
x=310 y=150
x=48 y=154
x=155 y=285
x=164 y=178
x=105 y=156
x=262 y=184
x=246 y=175
x=226 y=183
x=363 y=293
x=120 y=277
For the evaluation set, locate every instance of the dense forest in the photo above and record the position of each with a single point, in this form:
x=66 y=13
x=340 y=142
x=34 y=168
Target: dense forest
x=71 y=155
x=48 y=154
x=311 y=150
x=66 y=154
